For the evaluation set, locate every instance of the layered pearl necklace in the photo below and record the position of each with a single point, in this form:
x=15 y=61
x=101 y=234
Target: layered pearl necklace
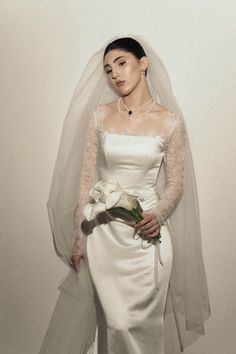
x=130 y=113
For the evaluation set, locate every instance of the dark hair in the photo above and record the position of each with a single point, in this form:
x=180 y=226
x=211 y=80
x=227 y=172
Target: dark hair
x=127 y=44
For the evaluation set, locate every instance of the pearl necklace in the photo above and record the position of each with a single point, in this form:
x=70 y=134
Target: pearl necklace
x=129 y=113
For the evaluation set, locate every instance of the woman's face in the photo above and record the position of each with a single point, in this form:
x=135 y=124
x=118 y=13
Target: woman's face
x=124 y=70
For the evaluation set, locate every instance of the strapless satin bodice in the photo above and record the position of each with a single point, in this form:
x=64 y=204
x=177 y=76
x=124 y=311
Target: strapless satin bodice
x=125 y=271
x=131 y=160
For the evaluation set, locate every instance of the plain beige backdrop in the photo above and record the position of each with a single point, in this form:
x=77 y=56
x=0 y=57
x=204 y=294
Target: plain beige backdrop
x=44 y=46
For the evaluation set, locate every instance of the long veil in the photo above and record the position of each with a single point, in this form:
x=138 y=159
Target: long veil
x=187 y=306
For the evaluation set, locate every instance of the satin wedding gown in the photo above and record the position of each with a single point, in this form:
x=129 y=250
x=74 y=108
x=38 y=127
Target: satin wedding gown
x=129 y=281
x=122 y=270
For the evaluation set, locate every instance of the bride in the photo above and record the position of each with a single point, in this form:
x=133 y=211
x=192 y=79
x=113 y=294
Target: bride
x=138 y=287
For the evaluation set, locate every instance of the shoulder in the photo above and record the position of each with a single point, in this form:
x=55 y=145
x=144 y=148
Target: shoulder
x=173 y=120
x=103 y=112
x=105 y=108
x=166 y=118
x=176 y=132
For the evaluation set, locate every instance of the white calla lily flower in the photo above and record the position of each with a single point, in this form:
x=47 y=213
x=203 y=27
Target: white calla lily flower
x=109 y=195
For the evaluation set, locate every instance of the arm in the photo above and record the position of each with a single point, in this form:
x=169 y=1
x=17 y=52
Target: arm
x=174 y=170
x=87 y=174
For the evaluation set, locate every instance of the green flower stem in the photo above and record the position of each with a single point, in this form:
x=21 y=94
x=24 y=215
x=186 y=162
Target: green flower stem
x=137 y=216
x=132 y=213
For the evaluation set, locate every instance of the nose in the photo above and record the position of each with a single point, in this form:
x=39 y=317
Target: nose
x=114 y=74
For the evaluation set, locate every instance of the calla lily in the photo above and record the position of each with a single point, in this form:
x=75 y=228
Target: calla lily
x=92 y=210
x=107 y=196
x=121 y=199
x=87 y=211
x=102 y=190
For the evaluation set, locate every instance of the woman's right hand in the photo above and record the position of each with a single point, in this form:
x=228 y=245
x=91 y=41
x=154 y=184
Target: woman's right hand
x=76 y=259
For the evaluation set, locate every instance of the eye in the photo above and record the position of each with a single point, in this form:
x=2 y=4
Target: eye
x=122 y=63
x=108 y=71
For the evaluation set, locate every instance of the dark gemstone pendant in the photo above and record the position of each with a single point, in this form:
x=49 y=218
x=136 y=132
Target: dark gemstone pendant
x=130 y=112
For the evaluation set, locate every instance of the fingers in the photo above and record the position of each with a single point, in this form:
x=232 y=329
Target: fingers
x=149 y=226
x=148 y=221
x=75 y=260
x=153 y=231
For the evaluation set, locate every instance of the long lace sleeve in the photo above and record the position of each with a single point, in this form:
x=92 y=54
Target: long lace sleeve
x=87 y=174
x=174 y=171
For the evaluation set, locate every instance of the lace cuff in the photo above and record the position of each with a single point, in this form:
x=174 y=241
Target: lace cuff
x=87 y=175
x=174 y=170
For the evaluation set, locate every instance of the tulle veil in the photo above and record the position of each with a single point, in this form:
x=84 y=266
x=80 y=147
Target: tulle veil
x=187 y=306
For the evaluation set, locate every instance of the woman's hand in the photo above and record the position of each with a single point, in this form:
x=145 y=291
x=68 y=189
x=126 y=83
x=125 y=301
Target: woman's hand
x=149 y=226
x=76 y=259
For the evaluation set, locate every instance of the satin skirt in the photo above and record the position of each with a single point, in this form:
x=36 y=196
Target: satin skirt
x=129 y=308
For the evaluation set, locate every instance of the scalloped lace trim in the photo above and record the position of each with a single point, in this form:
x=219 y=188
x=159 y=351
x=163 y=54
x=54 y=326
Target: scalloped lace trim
x=128 y=133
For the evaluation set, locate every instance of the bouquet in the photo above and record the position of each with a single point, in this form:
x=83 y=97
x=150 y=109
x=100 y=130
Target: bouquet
x=114 y=200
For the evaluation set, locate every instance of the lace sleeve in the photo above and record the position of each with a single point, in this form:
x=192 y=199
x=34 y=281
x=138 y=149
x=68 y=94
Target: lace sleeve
x=174 y=171
x=87 y=175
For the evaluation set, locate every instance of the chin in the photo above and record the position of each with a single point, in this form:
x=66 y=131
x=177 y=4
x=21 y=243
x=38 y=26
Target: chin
x=125 y=92
x=128 y=90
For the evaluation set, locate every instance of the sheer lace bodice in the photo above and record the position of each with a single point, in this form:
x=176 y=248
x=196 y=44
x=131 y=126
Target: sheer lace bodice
x=130 y=151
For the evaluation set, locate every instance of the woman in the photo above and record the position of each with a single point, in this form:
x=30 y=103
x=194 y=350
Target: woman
x=124 y=131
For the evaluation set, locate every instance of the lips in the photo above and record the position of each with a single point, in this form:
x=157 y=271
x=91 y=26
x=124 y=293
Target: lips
x=120 y=83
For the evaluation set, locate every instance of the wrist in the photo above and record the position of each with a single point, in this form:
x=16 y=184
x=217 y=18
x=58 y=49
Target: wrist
x=77 y=248
x=159 y=218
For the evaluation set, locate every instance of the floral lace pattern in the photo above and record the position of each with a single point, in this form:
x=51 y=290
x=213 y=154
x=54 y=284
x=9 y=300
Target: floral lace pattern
x=87 y=173
x=174 y=171
x=109 y=122
x=126 y=132
x=173 y=129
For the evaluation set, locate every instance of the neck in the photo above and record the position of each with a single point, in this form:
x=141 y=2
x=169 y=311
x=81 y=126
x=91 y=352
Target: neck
x=139 y=96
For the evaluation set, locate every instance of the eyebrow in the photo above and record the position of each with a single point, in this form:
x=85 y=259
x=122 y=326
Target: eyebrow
x=117 y=58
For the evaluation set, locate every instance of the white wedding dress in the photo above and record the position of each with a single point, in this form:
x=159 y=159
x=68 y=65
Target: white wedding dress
x=122 y=270
x=130 y=283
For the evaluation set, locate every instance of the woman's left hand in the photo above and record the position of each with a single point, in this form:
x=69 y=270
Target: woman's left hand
x=149 y=226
